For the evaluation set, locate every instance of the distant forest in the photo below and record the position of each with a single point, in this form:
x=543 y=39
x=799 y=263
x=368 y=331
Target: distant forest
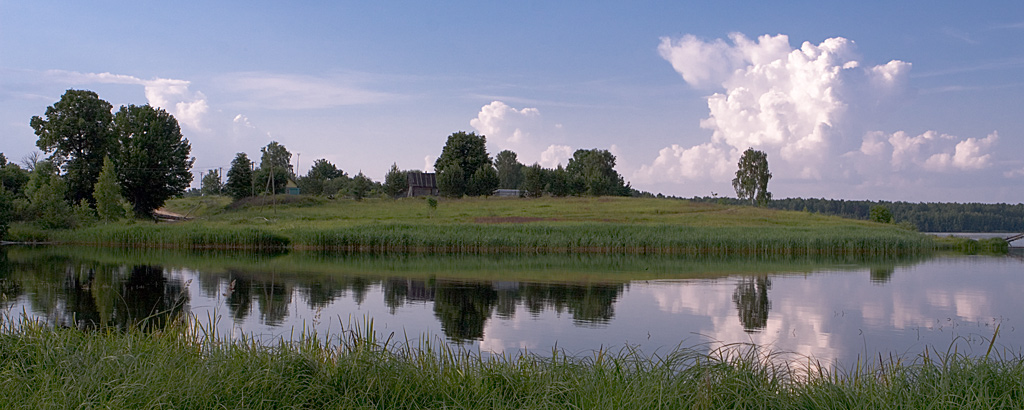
x=927 y=217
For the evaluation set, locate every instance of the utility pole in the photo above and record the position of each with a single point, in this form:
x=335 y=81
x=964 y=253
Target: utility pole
x=201 y=193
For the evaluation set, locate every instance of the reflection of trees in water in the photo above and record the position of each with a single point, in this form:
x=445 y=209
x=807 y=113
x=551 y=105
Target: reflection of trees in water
x=463 y=308
x=273 y=293
x=320 y=293
x=92 y=295
x=148 y=295
x=274 y=298
x=882 y=275
x=9 y=287
x=751 y=298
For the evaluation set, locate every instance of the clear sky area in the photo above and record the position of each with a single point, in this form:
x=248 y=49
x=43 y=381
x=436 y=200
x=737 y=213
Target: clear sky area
x=881 y=100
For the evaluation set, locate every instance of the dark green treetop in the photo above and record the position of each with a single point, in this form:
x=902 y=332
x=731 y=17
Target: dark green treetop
x=592 y=172
x=467 y=151
x=240 y=177
x=510 y=171
x=77 y=131
x=152 y=159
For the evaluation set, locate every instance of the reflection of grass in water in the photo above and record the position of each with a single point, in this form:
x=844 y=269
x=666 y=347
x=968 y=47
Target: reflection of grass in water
x=542 y=267
x=190 y=366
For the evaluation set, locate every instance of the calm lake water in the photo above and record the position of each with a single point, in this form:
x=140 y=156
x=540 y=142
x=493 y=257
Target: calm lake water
x=830 y=309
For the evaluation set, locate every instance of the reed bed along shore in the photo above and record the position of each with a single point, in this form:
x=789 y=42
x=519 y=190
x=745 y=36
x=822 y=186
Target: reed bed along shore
x=517 y=226
x=185 y=366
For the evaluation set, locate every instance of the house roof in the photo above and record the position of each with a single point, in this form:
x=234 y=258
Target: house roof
x=422 y=179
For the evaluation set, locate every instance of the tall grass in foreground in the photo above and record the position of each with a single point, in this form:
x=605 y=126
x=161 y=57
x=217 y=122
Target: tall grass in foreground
x=188 y=367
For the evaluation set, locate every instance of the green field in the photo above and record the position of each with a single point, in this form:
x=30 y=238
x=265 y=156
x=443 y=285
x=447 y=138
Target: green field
x=498 y=225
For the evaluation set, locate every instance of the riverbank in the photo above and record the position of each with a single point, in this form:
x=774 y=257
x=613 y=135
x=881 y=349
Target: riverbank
x=496 y=225
x=185 y=367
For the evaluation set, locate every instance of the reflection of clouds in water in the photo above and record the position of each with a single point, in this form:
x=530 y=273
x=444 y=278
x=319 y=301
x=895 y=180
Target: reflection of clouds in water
x=794 y=324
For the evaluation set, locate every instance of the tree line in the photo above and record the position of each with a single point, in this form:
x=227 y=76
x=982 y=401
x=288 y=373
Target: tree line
x=464 y=168
x=925 y=217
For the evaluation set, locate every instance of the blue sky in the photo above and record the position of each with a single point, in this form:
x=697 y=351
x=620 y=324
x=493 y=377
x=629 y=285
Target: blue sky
x=914 y=101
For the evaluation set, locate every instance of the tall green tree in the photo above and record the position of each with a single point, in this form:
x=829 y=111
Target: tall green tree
x=533 y=181
x=751 y=182
x=47 y=198
x=6 y=211
x=468 y=151
x=510 y=171
x=879 y=213
x=316 y=181
x=240 y=177
x=211 y=183
x=558 y=182
x=78 y=132
x=275 y=168
x=323 y=170
x=152 y=161
x=451 y=181
x=360 y=186
x=12 y=177
x=483 y=182
x=395 y=182
x=108 y=193
x=277 y=156
x=592 y=172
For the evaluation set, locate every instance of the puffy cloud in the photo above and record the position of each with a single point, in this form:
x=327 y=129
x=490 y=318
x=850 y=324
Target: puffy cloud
x=503 y=124
x=522 y=131
x=934 y=152
x=806 y=108
x=188 y=107
x=555 y=155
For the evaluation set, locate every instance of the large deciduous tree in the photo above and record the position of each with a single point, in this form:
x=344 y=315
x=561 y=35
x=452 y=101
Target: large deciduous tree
x=751 y=182
x=152 y=159
x=77 y=132
x=592 y=172
x=510 y=171
x=465 y=153
x=240 y=177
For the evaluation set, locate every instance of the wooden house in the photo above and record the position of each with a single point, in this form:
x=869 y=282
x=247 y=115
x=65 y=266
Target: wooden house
x=421 y=184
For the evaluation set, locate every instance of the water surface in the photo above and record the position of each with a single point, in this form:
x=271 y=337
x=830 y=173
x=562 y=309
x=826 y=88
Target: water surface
x=827 y=308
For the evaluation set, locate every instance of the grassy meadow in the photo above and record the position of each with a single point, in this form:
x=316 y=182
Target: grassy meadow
x=186 y=367
x=497 y=225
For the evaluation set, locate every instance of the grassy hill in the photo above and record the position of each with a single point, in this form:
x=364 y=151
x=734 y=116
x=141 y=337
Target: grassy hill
x=513 y=225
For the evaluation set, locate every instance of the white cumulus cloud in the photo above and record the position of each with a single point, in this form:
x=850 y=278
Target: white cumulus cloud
x=523 y=131
x=806 y=107
x=188 y=107
x=555 y=155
